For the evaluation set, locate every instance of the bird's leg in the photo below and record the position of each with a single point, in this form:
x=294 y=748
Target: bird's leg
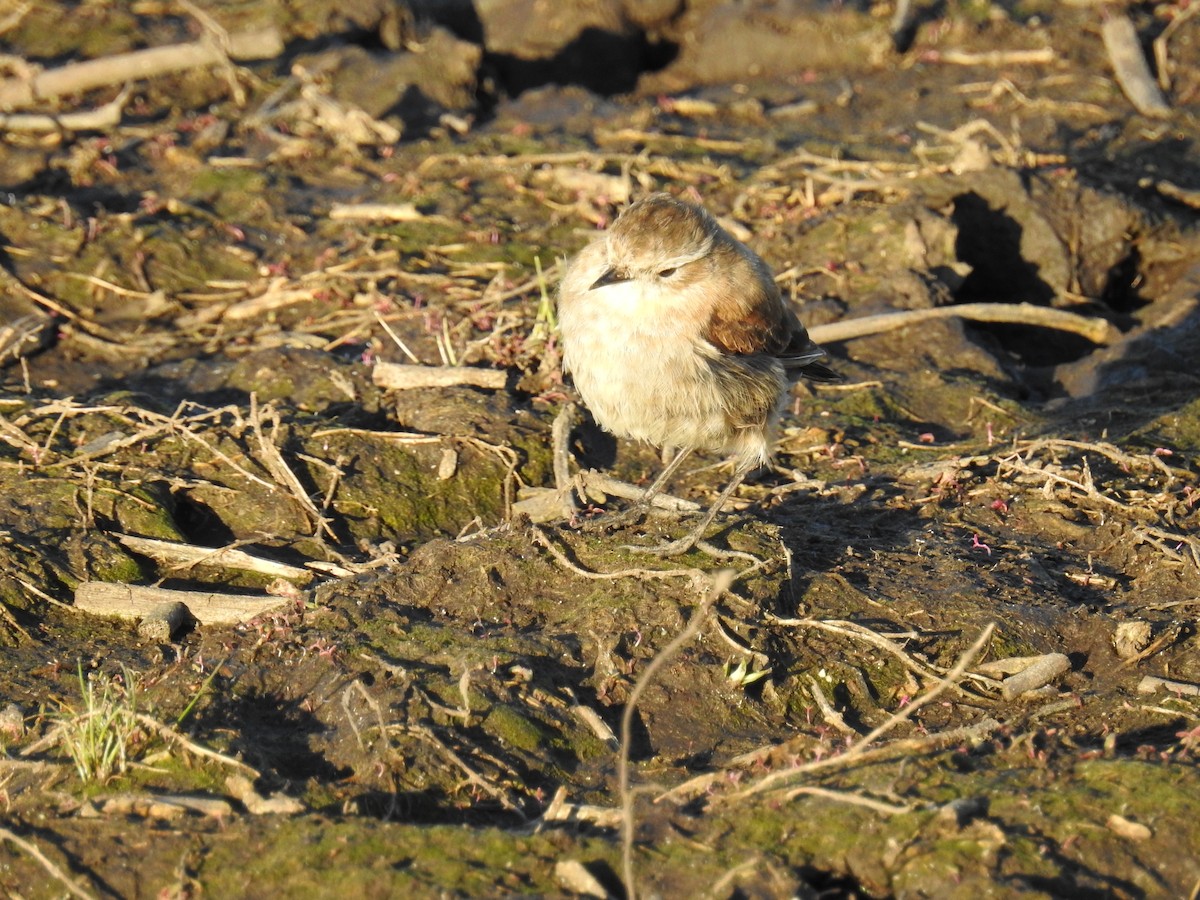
x=684 y=544
x=640 y=506
x=660 y=482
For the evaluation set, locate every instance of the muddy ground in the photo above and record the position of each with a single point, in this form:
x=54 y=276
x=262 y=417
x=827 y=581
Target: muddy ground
x=195 y=299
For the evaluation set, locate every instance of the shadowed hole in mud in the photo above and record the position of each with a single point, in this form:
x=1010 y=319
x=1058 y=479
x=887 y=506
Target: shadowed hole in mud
x=1121 y=293
x=1038 y=347
x=200 y=523
x=627 y=58
x=425 y=807
x=1069 y=886
x=272 y=735
x=989 y=240
x=828 y=884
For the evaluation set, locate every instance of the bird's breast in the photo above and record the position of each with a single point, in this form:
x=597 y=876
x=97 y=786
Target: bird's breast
x=646 y=373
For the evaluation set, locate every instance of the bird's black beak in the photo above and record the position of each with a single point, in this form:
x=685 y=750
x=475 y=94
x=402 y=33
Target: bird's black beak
x=611 y=276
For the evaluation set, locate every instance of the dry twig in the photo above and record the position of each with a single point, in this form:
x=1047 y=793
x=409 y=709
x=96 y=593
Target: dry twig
x=781 y=779
x=102 y=118
x=78 y=77
x=718 y=585
x=396 y=377
x=1098 y=331
x=130 y=601
x=1130 y=66
x=52 y=868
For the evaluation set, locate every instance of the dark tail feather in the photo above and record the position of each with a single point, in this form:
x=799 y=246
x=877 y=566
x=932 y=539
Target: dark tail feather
x=816 y=371
x=807 y=363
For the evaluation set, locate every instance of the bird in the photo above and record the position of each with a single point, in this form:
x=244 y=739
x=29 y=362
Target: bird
x=675 y=334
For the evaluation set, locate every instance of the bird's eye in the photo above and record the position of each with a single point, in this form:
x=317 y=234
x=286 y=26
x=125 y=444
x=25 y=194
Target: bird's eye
x=666 y=273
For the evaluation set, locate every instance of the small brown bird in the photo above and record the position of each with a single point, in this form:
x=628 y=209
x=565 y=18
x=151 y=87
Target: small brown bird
x=675 y=334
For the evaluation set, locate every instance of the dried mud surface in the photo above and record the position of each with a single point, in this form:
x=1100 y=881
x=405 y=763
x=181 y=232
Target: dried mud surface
x=192 y=313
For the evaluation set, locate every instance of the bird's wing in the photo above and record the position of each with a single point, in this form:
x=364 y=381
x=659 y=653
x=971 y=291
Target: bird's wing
x=758 y=321
x=752 y=319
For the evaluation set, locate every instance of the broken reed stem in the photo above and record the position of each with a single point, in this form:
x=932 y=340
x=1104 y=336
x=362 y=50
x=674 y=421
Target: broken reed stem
x=718 y=584
x=857 y=750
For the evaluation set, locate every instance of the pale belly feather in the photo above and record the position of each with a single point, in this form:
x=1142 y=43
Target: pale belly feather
x=646 y=376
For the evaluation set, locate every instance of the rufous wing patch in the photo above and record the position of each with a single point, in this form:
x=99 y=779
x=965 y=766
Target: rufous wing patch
x=749 y=324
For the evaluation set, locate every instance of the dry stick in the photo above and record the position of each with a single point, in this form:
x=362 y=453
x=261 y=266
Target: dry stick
x=7 y=615
x=25 y=335
x=399 y=377
x=54 y=871
x=1105 y=449
x=188 y=434
x=854 y=799
x=560 y=440
x=40 y=594
x=718 y=585
x=598 y=482
x=998 y=58
x=1151 y=683
x=548 y=276
x=1125 y=460
x=1088 y=491
x=1041 y=671
x=1167 y=637
x=396 y=339
x=275 y=297
x=1149 y=534
x=78 y=77
x=102 y=118
x=700 y=784
x=1159 y=537
x=832 y=716
x=132 y=601
x=16 y=438
x=1130 y=66
x=170 y=734
x=185 y=556
x=473 y=777
x=547 y=504
x=379 y=212
x=1097 y=331
x=861 y=632
x=542 y=538
x=86 y=325
x=856 y=750
x=426 y=735
x=213 y=33
x=1162 y=60
x=165 y=424
x=560 y=810
x=272 y=459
